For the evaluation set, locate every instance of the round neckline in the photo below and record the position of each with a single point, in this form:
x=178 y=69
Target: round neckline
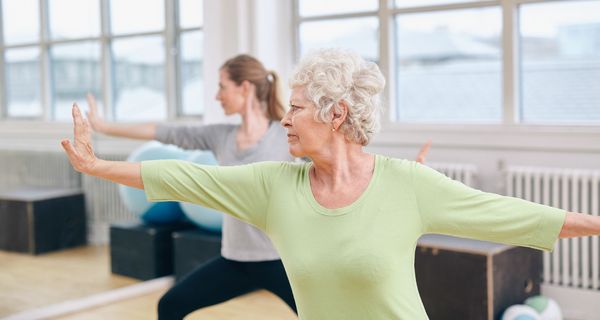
x=306 y=188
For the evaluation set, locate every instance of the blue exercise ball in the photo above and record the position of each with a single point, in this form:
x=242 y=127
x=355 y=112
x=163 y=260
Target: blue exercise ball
x=135 y=199
x=204 y=218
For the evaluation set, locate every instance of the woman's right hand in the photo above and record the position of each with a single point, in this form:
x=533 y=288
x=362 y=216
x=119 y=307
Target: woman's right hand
x=80 y=152
x=94 y=118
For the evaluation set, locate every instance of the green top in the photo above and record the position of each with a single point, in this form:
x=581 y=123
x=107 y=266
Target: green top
x=355 y=262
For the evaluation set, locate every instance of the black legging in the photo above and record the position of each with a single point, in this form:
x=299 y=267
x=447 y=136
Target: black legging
x=219 y=280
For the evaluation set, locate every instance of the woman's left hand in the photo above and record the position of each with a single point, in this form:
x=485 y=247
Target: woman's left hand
x=423 y=152
x=80 y=152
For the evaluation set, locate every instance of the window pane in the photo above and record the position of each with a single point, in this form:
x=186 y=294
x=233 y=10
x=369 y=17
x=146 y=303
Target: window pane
x=190 y=13
x=21 y=21
x=191 y=73
x=560 y=45
x=421 y=3
x=358 y=34
x=137 y=16
x=139 y=79
x=449 y=66
x=308 y=8
x=23 y=82
x=74 y=18
x=75 y=72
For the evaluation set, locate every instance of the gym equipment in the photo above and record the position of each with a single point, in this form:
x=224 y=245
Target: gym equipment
x=204 y=218
x=135 y=199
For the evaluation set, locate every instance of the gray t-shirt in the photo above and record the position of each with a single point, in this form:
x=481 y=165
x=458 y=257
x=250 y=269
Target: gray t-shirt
x=240 y=241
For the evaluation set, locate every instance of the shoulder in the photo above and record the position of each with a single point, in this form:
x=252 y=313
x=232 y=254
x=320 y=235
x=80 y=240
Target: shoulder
x=395 y=164
x=219 y=127
x=279 y=167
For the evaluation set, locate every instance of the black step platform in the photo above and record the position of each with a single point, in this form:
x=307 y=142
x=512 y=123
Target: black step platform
x=192 y=248
x=469 y=279
x=143 y=251
x=36 y=220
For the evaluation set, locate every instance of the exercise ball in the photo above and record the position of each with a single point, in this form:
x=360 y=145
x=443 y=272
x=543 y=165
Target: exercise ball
x=204 y=218
x=135 y=199
x=546 y=307
x=520 y=312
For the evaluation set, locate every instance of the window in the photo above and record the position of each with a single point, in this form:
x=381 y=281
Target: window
x=448 y=61
x=147 y=67
x=448 y=66
x=348 y=24
x=75 y=71
x=192 y=39
x=560 y=64
x=23 y=82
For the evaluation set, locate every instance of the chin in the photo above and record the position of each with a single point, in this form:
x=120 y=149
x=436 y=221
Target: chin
x=296 y=153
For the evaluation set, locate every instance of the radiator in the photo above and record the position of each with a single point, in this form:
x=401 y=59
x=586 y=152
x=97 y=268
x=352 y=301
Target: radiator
x=465 y=173
x=574 y=263
x=36 y=169
x=104 y=205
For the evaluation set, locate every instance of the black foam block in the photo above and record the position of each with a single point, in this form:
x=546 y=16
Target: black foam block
x=37 y=220
x=469 y=279
x=143 y=251
x=192 y=248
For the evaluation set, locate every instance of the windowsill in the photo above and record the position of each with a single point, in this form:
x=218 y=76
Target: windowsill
x=40 y=135
x=551 y=138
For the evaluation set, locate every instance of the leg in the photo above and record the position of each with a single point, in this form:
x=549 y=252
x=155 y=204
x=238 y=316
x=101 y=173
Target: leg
x=214 y=282
x=270 y=275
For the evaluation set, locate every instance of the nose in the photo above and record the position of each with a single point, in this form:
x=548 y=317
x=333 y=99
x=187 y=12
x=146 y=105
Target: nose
x=286 y=120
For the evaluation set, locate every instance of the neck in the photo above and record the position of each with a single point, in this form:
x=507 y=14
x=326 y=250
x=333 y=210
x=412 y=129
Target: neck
x=341 y=164
x=254 y=121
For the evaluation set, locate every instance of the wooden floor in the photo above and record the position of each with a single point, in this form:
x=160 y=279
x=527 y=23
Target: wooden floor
x=29 y=282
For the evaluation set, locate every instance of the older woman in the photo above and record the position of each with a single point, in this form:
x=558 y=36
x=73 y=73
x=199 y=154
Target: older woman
x=346 y=224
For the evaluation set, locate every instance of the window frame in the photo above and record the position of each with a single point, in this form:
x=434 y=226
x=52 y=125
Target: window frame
x=171 y=34
x=510 y=62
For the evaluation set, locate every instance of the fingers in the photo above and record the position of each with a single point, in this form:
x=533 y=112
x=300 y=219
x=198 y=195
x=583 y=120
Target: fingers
x=66 y=144
x=91 y=103
x=71 y=153
x=81 y=128
x=423 y=152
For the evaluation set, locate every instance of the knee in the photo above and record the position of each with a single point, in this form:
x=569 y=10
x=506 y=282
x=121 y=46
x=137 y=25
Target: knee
x=167 y=309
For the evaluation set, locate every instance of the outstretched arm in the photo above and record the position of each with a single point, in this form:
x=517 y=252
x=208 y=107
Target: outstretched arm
x=82 y=157
x=143 y=131
x=580 y=225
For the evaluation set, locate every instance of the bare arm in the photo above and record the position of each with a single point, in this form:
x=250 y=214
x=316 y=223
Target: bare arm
x=82 y=157
x=580 y=225
x=142 y=131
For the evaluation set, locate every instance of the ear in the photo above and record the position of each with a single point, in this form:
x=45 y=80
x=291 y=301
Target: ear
x=340 y=112
x=248 y=88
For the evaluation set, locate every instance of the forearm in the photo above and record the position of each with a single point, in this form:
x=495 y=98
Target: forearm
x=121 y=172
x=579 y=225
x=143 y=131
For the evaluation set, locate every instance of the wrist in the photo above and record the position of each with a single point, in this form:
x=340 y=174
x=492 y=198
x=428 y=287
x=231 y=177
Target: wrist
x=95 y=168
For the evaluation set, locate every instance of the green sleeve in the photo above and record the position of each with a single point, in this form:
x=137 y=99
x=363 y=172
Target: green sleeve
x=241 y=191
x=449 y=207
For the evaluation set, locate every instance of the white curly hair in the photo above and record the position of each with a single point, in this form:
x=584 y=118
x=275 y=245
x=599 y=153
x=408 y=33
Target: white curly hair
x=332 y=75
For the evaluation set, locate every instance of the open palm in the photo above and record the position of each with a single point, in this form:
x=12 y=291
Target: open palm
x=80 y=151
